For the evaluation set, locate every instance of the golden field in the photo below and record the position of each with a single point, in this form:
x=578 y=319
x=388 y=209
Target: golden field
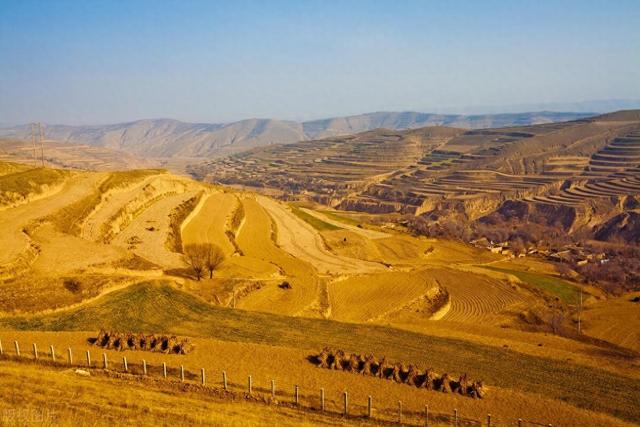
x=83 y=251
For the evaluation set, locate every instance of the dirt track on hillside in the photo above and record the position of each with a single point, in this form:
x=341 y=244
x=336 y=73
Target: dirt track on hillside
x=303 y=241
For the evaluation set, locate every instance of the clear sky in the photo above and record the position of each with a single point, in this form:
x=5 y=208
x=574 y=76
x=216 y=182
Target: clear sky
x=95 y=61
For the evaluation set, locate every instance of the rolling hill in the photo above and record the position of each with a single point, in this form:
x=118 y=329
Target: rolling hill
x=585 y=171
x=165 y=138
x=89 y=250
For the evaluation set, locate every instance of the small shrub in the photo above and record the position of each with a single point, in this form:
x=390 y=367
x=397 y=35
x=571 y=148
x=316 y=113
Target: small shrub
x=285 y=285
x=72 y=285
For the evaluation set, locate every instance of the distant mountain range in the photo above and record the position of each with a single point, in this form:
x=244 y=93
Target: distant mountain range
x=599 y=106
x=167 y=138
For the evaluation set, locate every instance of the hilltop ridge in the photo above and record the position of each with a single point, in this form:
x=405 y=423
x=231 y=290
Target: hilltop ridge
x=164 y=138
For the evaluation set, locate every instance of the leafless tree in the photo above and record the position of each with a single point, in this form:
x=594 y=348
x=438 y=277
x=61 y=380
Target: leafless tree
x=215 y=256
x=196 y=255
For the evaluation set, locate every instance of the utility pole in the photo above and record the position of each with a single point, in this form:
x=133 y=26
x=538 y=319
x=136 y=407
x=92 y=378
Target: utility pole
x=41 y=144
x=580 y=314
x=33 y=140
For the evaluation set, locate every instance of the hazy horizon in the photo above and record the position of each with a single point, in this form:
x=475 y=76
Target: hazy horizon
x=108 y=62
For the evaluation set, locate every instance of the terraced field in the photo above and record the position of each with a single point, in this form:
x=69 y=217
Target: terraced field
x=615 y=320
x=300 y=239
x=210 y=221
x=256 y=241
x=291 y=274
x=373 y=297
x=13 y=240
x=439 y=172
x=614 y=170
x=146 y=235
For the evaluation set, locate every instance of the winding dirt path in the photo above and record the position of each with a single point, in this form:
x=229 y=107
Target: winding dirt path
x=302 y=241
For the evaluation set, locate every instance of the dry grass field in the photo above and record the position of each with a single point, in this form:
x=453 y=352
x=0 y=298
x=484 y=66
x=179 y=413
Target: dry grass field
x=616 y=320
x=261 y=345
x=83 y=251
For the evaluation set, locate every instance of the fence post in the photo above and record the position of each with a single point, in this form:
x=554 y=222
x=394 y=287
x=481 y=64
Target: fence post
x=105 y=364
x=124 y=364
x=164 y=370
x=53 y=353
x=346 y=404
x=297 y=396
x=399 y=411
x=182 y=373
x=17 y=348
x=369 y=407
x=70 y=356
x=322 y=399
x=455 y=417
x=202 y=376
x=88 y=358
x=488 y=420
x=273 y=389
x=224 y=380
x=35 y=351
x=519 y=422
x=426 y=415
x=1 y=349
x=144 y=367
x=250 y=384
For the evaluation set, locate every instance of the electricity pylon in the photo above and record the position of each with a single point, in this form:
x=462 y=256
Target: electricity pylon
x=41 y=144
x=33 y=140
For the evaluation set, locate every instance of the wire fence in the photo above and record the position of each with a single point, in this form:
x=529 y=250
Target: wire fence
x=219 y=383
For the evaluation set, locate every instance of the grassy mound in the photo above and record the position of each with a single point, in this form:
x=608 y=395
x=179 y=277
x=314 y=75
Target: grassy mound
x=160 y=308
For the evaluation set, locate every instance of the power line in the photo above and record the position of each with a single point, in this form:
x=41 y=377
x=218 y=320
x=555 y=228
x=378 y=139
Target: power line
x=41 y=144
x=33 y=141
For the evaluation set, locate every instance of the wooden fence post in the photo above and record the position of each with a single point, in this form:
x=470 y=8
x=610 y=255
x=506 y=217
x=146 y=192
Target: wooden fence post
x=182 y=373
x=70 y=356
x=35 y=351
x=105 y=364
x=296 y=396
x=273 y=389
x=369 y=407
x=519 y=422
x=455 y=417
x=399 y=411
x=322 y=399
x=224 y=380
x=346 y=404
x=488 y=420
x=164 y=370
x=17 y=348
x=250 y=384
x=202 y=377
x=1 y=349
x=52 y=353
x=144 y=367
x=426 y=415
x=124 y=364
x=88 y=358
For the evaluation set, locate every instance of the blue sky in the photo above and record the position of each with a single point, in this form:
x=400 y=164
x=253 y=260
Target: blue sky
x=108 y=61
